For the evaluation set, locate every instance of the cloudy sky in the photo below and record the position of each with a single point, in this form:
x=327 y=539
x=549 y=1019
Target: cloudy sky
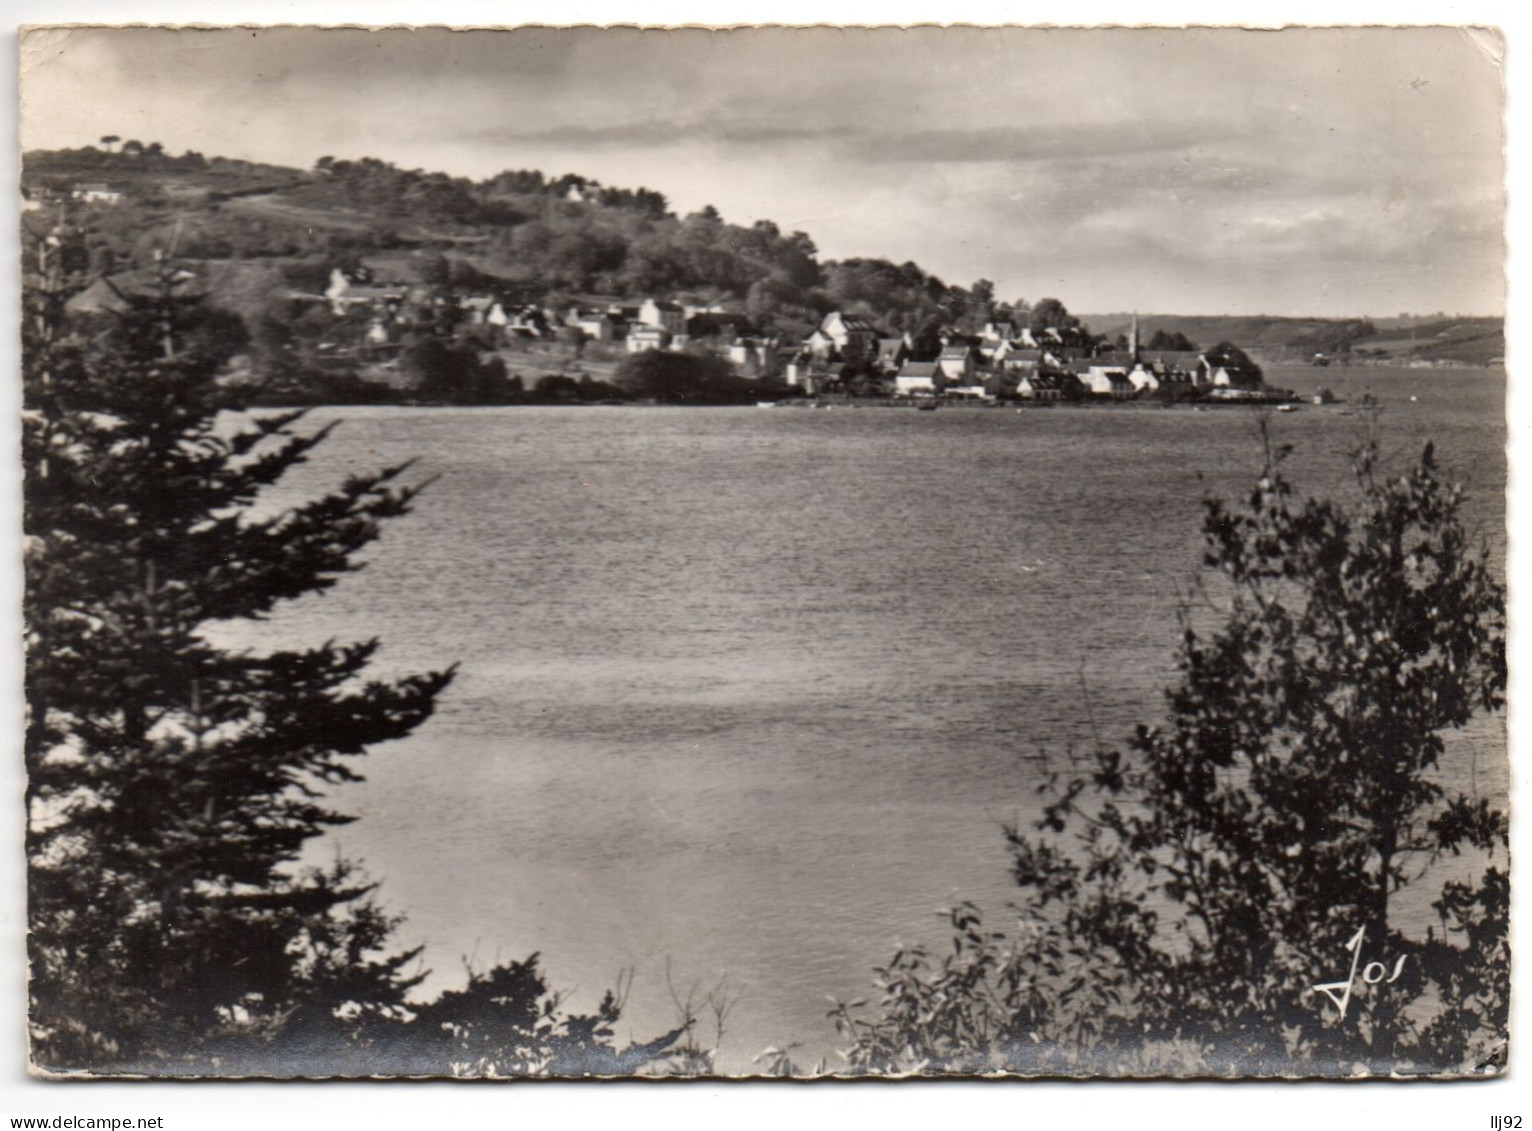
x=1327 y=172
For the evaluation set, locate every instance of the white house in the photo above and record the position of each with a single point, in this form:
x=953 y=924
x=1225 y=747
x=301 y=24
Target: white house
x=1098 y=371
x=1145 y=379
x=476 y=308
x=1177 y=367
x=340 y=286
x=957 y=364
x=854 y=337
x=1221 y=377
x=891 y=354
x=526 y=322
x=971 y=392
x=820 y=344
x=1040 y=387
x=1103 y=382
x=665 y=315
x=813 y=375
x=96 y=192
x=753 y=354
x=644 y=337
x=998 y=330
x=1016 y=358
x=919 y=378
x=343 y=293
x=601 y=325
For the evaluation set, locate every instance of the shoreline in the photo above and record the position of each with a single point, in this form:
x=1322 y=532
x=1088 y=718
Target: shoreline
x=1299 y=400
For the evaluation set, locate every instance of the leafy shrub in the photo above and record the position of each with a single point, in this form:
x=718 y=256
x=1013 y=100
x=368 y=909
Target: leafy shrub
x=1193 y=902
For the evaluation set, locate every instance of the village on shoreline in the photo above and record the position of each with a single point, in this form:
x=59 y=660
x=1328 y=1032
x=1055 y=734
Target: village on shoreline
x=378 y=316
x=847 y=358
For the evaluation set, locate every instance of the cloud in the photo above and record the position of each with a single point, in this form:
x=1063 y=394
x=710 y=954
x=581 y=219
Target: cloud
x=652 y=134
x=1198 y=165
x=1048 y=142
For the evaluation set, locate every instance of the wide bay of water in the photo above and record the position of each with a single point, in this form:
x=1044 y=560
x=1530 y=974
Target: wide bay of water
x=753 y=693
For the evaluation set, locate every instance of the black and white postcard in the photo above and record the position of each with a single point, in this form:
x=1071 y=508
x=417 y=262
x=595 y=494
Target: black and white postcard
x=784 y=551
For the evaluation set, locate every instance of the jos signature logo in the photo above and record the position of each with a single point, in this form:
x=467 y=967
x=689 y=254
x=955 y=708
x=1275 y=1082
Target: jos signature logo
x=1372 y=974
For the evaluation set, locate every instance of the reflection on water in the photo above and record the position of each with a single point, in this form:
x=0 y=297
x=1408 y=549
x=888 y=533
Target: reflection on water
x=757 y=691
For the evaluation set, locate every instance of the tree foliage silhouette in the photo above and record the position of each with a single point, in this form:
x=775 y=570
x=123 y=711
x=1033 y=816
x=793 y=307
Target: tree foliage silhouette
x=1229 y=356
x=172 y=783
x=1187 y=898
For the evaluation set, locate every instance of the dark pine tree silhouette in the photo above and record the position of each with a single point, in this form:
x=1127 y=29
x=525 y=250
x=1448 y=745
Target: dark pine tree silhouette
x=172 y=783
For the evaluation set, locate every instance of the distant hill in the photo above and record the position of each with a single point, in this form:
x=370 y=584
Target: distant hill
x=264 y=231
x=520 y=232
x=146 y=174
x=1471 y=341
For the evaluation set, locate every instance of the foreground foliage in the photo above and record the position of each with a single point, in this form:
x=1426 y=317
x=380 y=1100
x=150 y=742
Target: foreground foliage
x=174 y=784
x=1193 y=902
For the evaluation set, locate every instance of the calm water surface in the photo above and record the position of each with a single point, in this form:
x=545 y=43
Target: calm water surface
x=754 y=693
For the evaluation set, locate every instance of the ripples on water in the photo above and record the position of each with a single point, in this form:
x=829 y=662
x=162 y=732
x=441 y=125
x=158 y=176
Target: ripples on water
x=756 y=691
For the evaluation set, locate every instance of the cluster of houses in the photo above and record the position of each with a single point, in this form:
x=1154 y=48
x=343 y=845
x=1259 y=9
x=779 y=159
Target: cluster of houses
x=1004 y=359
x=657 y=324
x=96 y=192
x=1007 y=358
x=35 y=197
x=652 y=324
x=844 y=352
